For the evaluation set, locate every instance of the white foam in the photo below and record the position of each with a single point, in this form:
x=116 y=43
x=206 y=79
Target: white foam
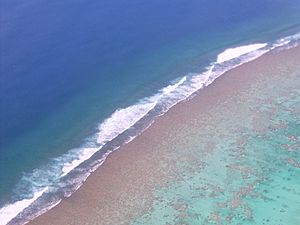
x=8 y=212
x=232 y=53
x=120 y=121
x=85 y=154
x=171 y=88
x=123 y=119
x=117 y=123
x=286 y=42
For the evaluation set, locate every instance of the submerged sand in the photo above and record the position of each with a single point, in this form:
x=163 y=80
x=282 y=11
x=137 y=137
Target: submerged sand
x=125 y=188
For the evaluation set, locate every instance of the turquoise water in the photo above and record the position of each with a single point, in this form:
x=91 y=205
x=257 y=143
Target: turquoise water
x=245 y=167
x=66 y=67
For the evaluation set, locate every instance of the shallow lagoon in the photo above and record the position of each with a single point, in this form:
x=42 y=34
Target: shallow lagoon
x=244 y=167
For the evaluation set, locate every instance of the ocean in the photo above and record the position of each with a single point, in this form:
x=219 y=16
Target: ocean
x=78 y=79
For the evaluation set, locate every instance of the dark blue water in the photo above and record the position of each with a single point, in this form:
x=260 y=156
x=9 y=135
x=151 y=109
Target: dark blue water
x=67 y=65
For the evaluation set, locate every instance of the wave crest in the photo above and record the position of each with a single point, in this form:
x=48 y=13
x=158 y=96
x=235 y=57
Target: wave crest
x=68 y=173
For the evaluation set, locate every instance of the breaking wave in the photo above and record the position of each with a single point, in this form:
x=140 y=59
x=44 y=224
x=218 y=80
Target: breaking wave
x=45 y=187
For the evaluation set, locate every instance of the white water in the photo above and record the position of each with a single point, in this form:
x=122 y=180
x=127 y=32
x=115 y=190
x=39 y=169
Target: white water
x=7 y=213
x=232 y=53
x=86 y=153
x=120 y=121
x=123 y=119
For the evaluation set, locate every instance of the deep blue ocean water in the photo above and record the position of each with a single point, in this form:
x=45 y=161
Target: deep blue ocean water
x=66 y=66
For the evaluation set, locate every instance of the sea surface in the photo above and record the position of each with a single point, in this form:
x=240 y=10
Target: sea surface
x=79 y=78
x=239 y=159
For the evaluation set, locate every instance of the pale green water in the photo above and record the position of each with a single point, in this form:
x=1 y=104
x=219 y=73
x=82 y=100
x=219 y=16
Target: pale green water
x=245 y=167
